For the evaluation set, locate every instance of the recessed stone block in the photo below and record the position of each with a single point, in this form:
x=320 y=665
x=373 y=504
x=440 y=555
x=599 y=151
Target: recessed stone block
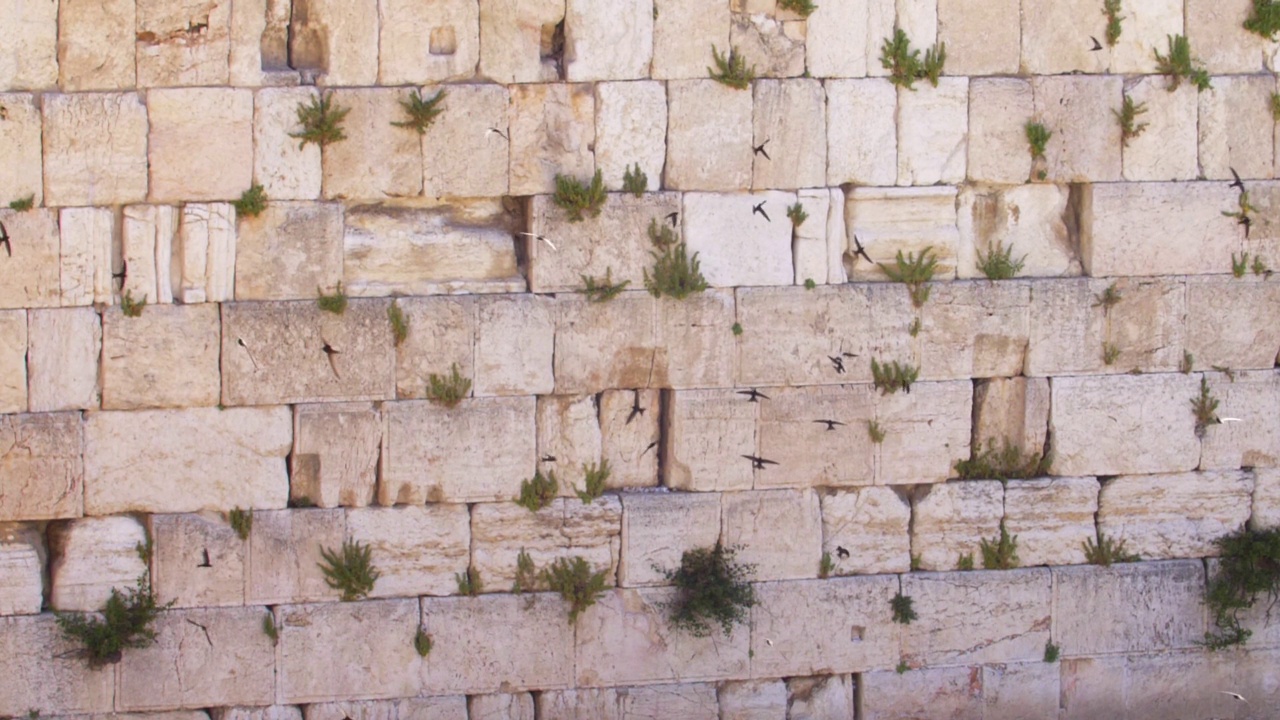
x=335 y=454
x=91 y=557
x=420 y=43
x=417 y=550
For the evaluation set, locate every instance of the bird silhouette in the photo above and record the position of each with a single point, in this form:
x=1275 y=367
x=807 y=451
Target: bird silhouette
x=673 y=217
x=758 y=463
x=759 y=150
x=760 y=209
x=859 y=250
x=328 y=350
x=753 y=395
x=4 y=239
x=1237 y=183
x=1096 y=45
x=831 y=424
x=837 y=362
x=635 y=407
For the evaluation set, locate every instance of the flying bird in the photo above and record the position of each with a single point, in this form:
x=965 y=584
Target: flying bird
x=841 y=552
x=635 y=407
x=240 y=342
x=831 y=424
x=759 y=150
x=548 y=458
x=123 y=275
x=758 y=463
x=1096 y=45
x=1237 y=183
x=4 y=240
x=754 y=395
x=649 y=447
x=760 y=209
x=672 y=217
x=1237 y=696
x=543 y=238
x=859 y=250
x=206 y=562
x=496 y=131
x=328 y=350
x=837 y=362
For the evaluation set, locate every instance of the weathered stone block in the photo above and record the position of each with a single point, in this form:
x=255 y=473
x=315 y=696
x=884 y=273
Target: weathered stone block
x=501 y=707
x=30 y=61
x=735 y=244
x=63 y=347
x=1232 y=324
x=566 y=528
x=812 y=698
x=13 y=361
x=1266 y=499
x=1218 y=38
x=753 y=700
x=439 y=707
x=417 y=550
x=790 y=119
x=974 y=330
x=199 y=560
x=442 y=333
x=1077 y=109
x=420 y=43
x=260 y=44
x=580 y=704
x=839 y=39
x=461 y=155
x=284 y=555
x=790 y=343
x=658 y=528
x=604 y=345
x=811 y=454
x=1018 y=690
x=866 y=531
x=377 y=160
x=156 y=460
x=1255 y=442
x=945 y=693
x=981 y=39
x=710 y=432
x=34 y=267
x=952 y=520
x=22 y=556
x=373 y=667
x=201 y=143
x=1051 y=518
x=1013 y=411
x=569 y=433
x=709 y=134
x=999 y=109
x=933 y=127
x=692 y=347
x=269 y=712
x=608 y=42
x=512 y=45
x=92 y=556
x=95 y=149
x=695 y=701
x=822 y=627
x=285 y=169
x=683 y=33
x=1167 y=148
x=1131 y=607
x=167 y=357
x=1174 y=516
x=289 y=251
x=629 y=440
x=1147 y=24
x=337 y=40
x=147 y=236
x=20 y=148
x=1235 y=126
x=631 y=129
x=1055 y=38
x=514 y=344
x=926 y=432
x=888 y=220
x=86 y=238
x=43 y=671
x=276 y=353
x=96 y=44
x=41 y=466
x=335 y=454
x=208 y=256
x=811 y=248
x=778 y=531
x=775 y=48
x=978 y=617
x=1030 y=221
x=552 y=130
x=1196 y=238
x=457 y=447
x=186 y=43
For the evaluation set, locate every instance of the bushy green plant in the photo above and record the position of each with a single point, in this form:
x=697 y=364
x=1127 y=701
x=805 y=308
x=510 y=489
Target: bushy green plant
x=796 y=214
x=826 y=565
x=269 y=627
x=892 y=377
x=1106 y=551
x=421 y=112
x=915 y=271
x=903 y=609
x=1205 y=407
x=602 y=290
x=904 y=64
x=335 y=303
x=579 y=199
x=1111 y=8
x=712 y=588
x=964 y=561
x=241 y=521
x=732 y=69
x=803 y=8
x=1178 y=65
x=448 y=391
x=252 y=202
x=1006 y=463
x=1000 y=553
x=469 y=582
x=675 y=274
x=875 y=432
x=1037 y=138
x=422 y=642
x=321 y=122
x=1248 y=568
x=526 y=574
x=575 y=582
x=124 y=622
x=595 y=477
x=1265 y=19
x=538 y=492
x=635 y=182
x=349 y=570
x=1127 y=116
x=999 y=263
x=23 y=204
x=1051 y=652
x=131 y=307
x=399 y=323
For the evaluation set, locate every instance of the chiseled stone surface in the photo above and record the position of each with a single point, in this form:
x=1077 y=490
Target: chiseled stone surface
x=683 y=33
x=695 y=701
x=63 y=350
x=566 y=528
x=30 y=61
x=938 y=693
x=41 y=466
x=417 y=550
x=96 y=44
x=442 y=333
x=552 y=131
x=735 y=245
x=86 y=238
x=789 y=343
x=374 y=665
x=974 y=330
x=500 y=706
x=1232 y=323
x=789 y=117
x=774 y=47
x=42 y=671
x=708 y=136
x=20 y=148
x=1146 y=24
x=608 y=42
x=511 y=37
x=631 y=129
x=289 y=251
x=1235 y=126
x=1129 y=607
x=1052 y=34
x=514 y=345
x=753 y=699
x=180 y=572
x=1052 y=518
x=437 y=707
x=207 y=262
x=568 y=432
x=1174 y=516
x=810 y=454
x=1085 y=144
x=830 y=696
x=91 y=557
x=376 y=161
x=1196 y=237
x=334 y=461
x=184 y=43
x=604 y=345
x=777 y=531
x=338 y=39
x=95 y=149
x=926 y=432
x=167 y=357
x=933 y=127
x=284 y=555
x=1167 y=148
x=580 y=704
x=694 y=341
x=982 y=616
x=1266 y=499
x=862 y=138
x=33 y=269
x=629 y=444
x=13 y=361
x=1030 y=221
x=866 y=531
x=147 y=233
x=888 y=220
x=709 y=431
x=420 y=43
x=460 y=156
x=22 y=558
x=953 y=519
x=981 y=38
x=998 y=112
x=285 y=169
x=1219 y=41
x=658 y=528
x=201 y=143
x=1255 y=442
x=1013 y=411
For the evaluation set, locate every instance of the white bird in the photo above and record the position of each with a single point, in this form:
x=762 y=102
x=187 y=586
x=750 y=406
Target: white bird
x=1226 y=420
x=540 y=237
x=1237 y=696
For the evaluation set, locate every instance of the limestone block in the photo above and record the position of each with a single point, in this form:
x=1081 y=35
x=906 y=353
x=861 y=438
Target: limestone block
x=926 y=432
x=285 y=169
x=20 y=148
x=501 y=707
x=274 y=353
x=952 y=693
x=1017 y=690
x=1236 y=128
x=790 y=343
x=627 y=638
x=1232 y=324
x=1052 y=518
x=41 y=467
x=260 y=44
x=30 y=62
x=439 y=707
x=417 y=550
x=695 y=701
x=497 y=643
x=1218 y=38
x=1055 y=38
x=736 y=245
x=269 y=712
x=1195 y=237
x=206 y=265
x=1126 y=424
x=865 y=531
x=284 y=555
x=566 y=528
x=1255 y=442
x=512 y=45
x=201 y=143
x=21 y=567
x=442 y=333
x=999 y=109
x=373 y=666
x=1097 y=684
x=186 y=43
x=167 y=357
x=952 y=519
x=460 y=156
x=568 y=432
x=974 y=330
x=839 y=39
x=335 y=454
x=158 y=460
x=604 y=345
x=979 y=617
x=63 y=346
x=43 y=670
x=1130 y=607
x=33 y=237
x=289 y=251
x=377 y=160
x=479 y=451
x=86 y=239
x=919 y=19
x=1012 y=410
x=629 y=444
x=1174 y=516
x=199 y=560
x=95 y=149
x=658 y=528
x=1266 y=499
x=886 y=220
x=933 y=125
x=552 y=130
x=799 y=628
x=409 y=251
x=631 y=129
x=981 y=39
x=608 y=42
x=1029 y=219
x=580 y=704
x=419 y=43
x=13 y=361
x=514 y=344
x=809 y=453
x=692 y=347
x=614 y=243
x=1167 y=148
x=813 y=698
x=789 y=117
x=753 y=700
x=146 y=240
x=778 y=531
x=709 y=432
x=336 y=39
x=683 y=33
x=95 y=44
x=91 y=556
x=810 y=246
x=709 y=134
x=1077 y=109
x=773 y=47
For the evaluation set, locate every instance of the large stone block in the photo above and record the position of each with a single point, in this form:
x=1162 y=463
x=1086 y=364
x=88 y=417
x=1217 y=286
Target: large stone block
x=285 y=169
x=952 y=520
x=981 y=39
x=186 y=460
x=735 y=244
x=552 y=131
x=1055 y=38
x=977 y=617
x=438 y=707
x=419 y=43
x=1174 y=516
x=168 y=357
x=789 y=118
x=417 y=550
x=512 y=45
x=514 y=345
x=43 y=670
x=830 y=696
x=198 y=561
x=777 y=531
x=34 y=262
x=811 y=248
x=41 y=466
x=1146 y=24
x=683 y=33
x=377 y=160
x=604 y=345
x=926 y=432
x=631 y=129
x=1235 y=126
x=93 y=556
x=147 y=238
x=207 y=262
x=260 y=44
x=30 y=61
x=812 y=454
x=1131 y=607
x=501 y=706
x=334 y=461
x=284 y=555
x=461 y=155
x=823 y=627
x=974 y=330
x=63 y=348
x=1232 y=324
x=933 y=127
x=376 y=638
x=1255 y=442
x=87 y=235
x=184 y=43
x=1167 y=148
x=1077 y=109
x=945 y=693
x=279 y=352
x=772 y=46
x=888 y=220
x=201 y=143
x=785 y=342
x=337 y=40
x=999 y=109
x=1051 y=518
x=568 y=437
x=289 y=251
x=96 y=44
x=629 y=440
x=607 y=42
x=580 y=704
x=20 y=148
x=840 y=41
x=1220 y=41
x=479 y=451
x=709 y=132
x=13 y=361
x=753 y=700
x=1266 y=499
x=692 y=347
x=1030 y=221
x=22 y=556
x=866 y=531
x=442 y=333
x=1125 y=424
x=658 y=528
x=567 y=528
x=710 y=433
x=95 y=149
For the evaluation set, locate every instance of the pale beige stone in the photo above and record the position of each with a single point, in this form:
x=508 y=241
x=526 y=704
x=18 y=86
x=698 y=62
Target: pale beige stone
x=1266 y=499
x=1146 y=24
x=289 y=251
x=376 y=160
x=810 y=454
x=813 y=698
x=1195 y=237
x=608 y=42
x=604 y=345
x=146 y=239
x=372 y=667
x=565 y=529
x=735 y=245
x=43 y=671
x=532 y=649
x=942 y=693
x=442 y=334
x=13 y=361
x=552 y=130
x=1051 y=518
x=336 y=40
x=212 y=227
x=421 y=43
x=417 y=550
x=1029 y=221
x=501 y=707
x=1174 y=516
x=20 y=148
x=709 y=135
x=335 y=454
x=479 y=451
x=983 y=616
x=515 y=38
x=274 y=353
x=22 y=557
x=260 y=44
x=841 y=41
x=63 y=346
x=92 y=556
x=1128 y=607
x=269 y=712
x=1253 y=439
x=981 y=38
x=777 y=531
x=627 y=638
x=1232 y=323
x=709 y=432
x=658 y=528
x=789 y=118
x=1236 y=128
x=821 y=627
x=184 y=43
x=974 y=330
x=1055 y=37
x=695 y=701
x=580 y=704
x=865 y=531
x=286 y=169
x=95 y=149
x=683 y=33
x=569 y=431
x=810 y=247
x=29 y=61
x=167 y=357
x=154 y=460
x=631 y=130
x=926 y=432
x=41 y=466
x=1077 y=110
x=462 y=156
x=752 y=700
x=439 y=707
x=999 y=109
x=284 y=555
x=87 y=235
x=201 y=143
x=951 y=521
x=933 y=125
x=514 y=345
x=96 y=44
x=790 y=343
x=1017 y=690
x=33 y=266
x=773 y=47
x=888 y=220
x=199 y=560
x=1013 y=411
x=1167 y=148
x=629 y=438
x=1219 y=41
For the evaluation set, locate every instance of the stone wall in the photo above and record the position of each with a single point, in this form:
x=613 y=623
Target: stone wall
x=134 y=126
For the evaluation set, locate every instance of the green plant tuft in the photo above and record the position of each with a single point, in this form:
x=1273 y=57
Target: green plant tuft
x=875 y=432
x=1000 y=553
x=914 y=328
x=469 y=582
x=1111 y=8
x=23 y=204
x=252 y=202
x=635 y=182
x=1106 y=551
x=1110 y=352
x=826 y=565
x=1178 y=65
x=915 y=272
x=422 y=642
x=539 y=491
x=1243 y=212
x=903 y=611
x=1265 y=19
x=399 y=323
x=999 y=263
x=892 y=377
x=335 y=303
x=422 y=112
x=1188 y=362
x=526 y=574
x=1037 y=138
x=321 y=122
x=803 y=8
x=1108 y=298
x=964 y=561
x=595 y=478
x=904 y=64
x=797 y=214
x=902 y=667
x=131 y=307
x=269 y=627
x=1127 y=116
x=675 y=274
x=1248 y=567
x=732 y=69
x=915 y=563
x=448 y=391
x=1051 y=652
x=124 y=622
x=578 y=199
x=737 y=329
x=712 y=588
x=350 y=569
x=1275 y=107
x=1258 y=267
x=1205 y=407
x=604 y=290
x=662 y=236
x=575 y=582
x=809 y=284
x=1239 y=266
x=241 y=521
x=1007 y=463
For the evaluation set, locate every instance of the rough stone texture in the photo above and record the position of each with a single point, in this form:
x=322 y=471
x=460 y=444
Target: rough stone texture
x=1028 y=220
x=888 y=220
x=683 y=33
x=1218 y=38
x=709 y=136
x=983 y=616
x=933 y=126
x=735 y=245
x=631 y=129
x=789 y=118
x=186 y=43
x=208 y=254
x=998 y=112
x=208 y=158
x=1174 y=516
x=274 y=353
x=926 y=432
x=275 y=712
x=146 y=238
x=373 y=667
x=1167 y=148
x=1085 y=144
x=455 y=446
x=91 y=557
x=95 y=149
x=42 y=671
x=514 y=346
x=943 y=693
x=41 y=466
x=335 y=454
x=285 y=170
x=417 y=550
x=1232 y=324
x=511 y=39
x=810 y=246
x=773 y=47
x=35 y=264
x=777 y=531
x=981 y=38
x=628 y=443
x=284 y=555
x=63 y=347
x=1254 y=442
x=821 y=627
x=439 y=707
x=151 y=460
x=1236 y=128
x=865 y=531
x=461 y=156
x=336 y=40
x=420 y=43
x=441 y=333
x=709 y=432
x=752 y=700
x=181 y=573
x=566 y=528
x=692 y=346
x=376 y=161
x=21 y=567
x=30 y=61
x=862 y=139
x=167 y=357
x=1052 y=518
x=658 y=528
x=569 y=431
x=973 y=330
x=1147 y=24
x=1052 y=38
x=581 y=704
x=86 y=239
x=953 y=519
x=608 y=42
x=289 y=251
x=501 y=707
x=604 y=345
x=810 y=454
x=785 y=343
x=20 y=148
x=1131 y=607
x=814 y=698
x=96 y=44
x=552 y=130
x=1128 y=424
x=1266 y=499
x=13 y=361
x=1013 y=411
